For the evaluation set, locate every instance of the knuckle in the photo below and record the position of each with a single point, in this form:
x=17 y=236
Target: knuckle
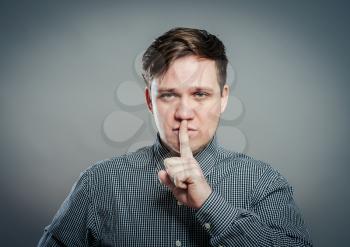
x=177 y=181
x=196 y=173
x=166 y=162
x=179 y=177
x=169 y=162
x=169 y=171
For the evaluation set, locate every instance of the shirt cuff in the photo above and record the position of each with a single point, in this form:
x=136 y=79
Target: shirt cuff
x=216 y=214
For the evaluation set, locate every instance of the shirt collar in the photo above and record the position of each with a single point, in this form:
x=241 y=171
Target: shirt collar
x=206 y=158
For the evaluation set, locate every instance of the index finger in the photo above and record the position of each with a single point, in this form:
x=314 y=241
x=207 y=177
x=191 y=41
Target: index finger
x=185 y=148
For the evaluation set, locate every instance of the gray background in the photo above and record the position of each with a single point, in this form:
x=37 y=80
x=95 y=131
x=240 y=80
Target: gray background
x=60 y=64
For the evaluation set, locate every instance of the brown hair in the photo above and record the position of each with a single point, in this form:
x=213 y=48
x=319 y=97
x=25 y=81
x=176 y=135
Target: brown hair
x=180 y=42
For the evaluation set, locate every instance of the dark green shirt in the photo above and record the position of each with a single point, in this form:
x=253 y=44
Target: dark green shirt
x=120 y=202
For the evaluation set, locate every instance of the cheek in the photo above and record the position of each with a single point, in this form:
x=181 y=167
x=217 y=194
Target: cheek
x=213 y=111
x=165 y=114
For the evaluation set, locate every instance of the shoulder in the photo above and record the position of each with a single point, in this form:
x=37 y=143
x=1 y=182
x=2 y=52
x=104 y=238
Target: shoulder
x=243 y=165
x=103 y=178
x=136 y=160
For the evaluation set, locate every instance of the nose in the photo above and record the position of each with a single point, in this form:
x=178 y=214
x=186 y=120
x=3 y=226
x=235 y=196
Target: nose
x=184 y=110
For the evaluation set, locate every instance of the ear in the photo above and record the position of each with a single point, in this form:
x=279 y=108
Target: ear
x=224 y=97
x=148 y=99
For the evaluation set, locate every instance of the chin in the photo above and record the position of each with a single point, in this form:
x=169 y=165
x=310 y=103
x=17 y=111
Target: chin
x=172 y=144
x=175 y=149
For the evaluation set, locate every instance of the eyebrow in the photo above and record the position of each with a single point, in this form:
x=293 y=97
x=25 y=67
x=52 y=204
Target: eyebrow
x=166 y=90
x=208 y=89
x=171 y=90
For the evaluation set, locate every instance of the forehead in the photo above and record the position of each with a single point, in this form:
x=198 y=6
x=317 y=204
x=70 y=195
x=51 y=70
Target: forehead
x=190 y=71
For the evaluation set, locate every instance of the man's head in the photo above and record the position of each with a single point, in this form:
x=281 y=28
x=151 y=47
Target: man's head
x=185 y=72
x=181 y=42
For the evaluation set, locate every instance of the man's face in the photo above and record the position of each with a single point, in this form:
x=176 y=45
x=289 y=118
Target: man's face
x=189 y=90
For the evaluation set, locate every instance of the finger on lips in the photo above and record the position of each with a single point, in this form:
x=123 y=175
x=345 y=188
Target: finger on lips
x=179 y=169
x=185 y=148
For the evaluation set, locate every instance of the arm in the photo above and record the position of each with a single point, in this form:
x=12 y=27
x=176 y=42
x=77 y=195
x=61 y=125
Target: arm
x=272 y=220
x=72 y=224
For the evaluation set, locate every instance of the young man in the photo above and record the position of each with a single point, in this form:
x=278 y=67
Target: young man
x=185 y=190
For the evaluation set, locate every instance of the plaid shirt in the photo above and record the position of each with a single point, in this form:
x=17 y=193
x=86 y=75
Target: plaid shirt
x=120 y=202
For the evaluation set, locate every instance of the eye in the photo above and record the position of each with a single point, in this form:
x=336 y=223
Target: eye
x=201 y=94
x=166 y=95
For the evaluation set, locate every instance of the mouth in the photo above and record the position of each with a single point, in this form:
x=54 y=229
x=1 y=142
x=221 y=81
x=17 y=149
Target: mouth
x=190 y=131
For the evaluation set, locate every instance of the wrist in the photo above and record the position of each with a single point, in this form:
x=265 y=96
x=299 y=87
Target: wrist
x=205 y=195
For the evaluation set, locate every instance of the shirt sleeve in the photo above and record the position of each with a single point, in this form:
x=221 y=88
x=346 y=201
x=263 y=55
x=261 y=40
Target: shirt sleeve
x=273 y=218
x=72 y=225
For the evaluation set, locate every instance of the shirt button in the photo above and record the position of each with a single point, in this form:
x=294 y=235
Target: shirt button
x=178 y=243
x=207 y=226
x=179 y=203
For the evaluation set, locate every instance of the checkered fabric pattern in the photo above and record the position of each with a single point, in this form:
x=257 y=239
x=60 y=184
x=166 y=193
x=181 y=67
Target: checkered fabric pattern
x=120 y=202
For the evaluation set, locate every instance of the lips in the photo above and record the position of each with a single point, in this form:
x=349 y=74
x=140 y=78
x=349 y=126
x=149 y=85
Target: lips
x=188 y=129
x=192 y=132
